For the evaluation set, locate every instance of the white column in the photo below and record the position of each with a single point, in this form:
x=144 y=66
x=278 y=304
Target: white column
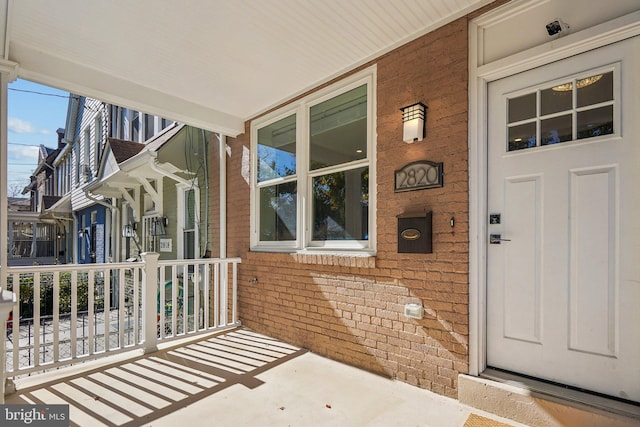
x=223 y=194
x=3 y=180
x=149 y=300
x=7 y=301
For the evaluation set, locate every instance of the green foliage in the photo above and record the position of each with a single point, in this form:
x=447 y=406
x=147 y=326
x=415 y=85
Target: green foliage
x=64 y=299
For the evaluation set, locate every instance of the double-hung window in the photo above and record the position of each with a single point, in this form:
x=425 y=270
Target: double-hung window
x=313 y=164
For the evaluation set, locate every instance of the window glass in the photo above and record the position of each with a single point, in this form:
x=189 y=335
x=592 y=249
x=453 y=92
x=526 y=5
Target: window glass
x=595 y=89
x=190 y=209
x=556 y=99
x=522 y=136
x=189 y=244
x=595 y=122
x=341 y=205
x=135 y=127
x=148 y=126
x=562 y=119
x=338 y=129
x=278 y=212
x=556 y=130
x=522 y=108
x=277 y=149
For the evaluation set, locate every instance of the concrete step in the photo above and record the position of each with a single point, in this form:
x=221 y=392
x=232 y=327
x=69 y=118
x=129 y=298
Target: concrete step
x=539 y=404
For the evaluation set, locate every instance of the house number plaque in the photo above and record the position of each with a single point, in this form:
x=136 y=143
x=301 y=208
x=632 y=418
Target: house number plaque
x=418 y=175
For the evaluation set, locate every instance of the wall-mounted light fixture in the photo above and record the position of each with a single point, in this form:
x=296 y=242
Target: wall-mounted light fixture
x=159 y=226
x=413 y=120
x=128 y=230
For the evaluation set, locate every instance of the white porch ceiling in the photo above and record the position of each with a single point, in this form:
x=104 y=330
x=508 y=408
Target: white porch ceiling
x=212 y=64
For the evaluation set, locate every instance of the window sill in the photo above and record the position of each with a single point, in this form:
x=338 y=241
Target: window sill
x=356 y=259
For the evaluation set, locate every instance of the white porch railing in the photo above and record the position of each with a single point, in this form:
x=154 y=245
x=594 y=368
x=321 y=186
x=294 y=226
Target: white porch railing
x=70 y=313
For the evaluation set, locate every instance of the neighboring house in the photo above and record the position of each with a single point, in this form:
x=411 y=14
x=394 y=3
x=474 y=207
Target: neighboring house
x=95 y=237
x=161 y=192
x=38 y=237
x=136 y=182
x=19 y=204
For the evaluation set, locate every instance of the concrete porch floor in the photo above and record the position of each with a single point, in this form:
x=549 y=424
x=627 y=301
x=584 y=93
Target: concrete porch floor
x=239 y=378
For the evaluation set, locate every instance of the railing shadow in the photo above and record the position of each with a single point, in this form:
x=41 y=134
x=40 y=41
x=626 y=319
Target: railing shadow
x=146 y=388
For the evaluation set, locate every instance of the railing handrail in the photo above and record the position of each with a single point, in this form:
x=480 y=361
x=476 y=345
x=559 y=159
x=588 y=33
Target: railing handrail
x=199 y=261
x=72 y=267
x=114 y=265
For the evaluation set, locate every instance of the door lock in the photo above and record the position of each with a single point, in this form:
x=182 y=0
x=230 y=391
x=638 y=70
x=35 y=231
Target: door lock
x=495 y=239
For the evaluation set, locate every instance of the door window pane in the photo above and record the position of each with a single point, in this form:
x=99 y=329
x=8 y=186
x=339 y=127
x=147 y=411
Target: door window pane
x=556 y=99
x=338 y=129
x=277 y=149
x=341 y=205
x=189 y=209
x=556 y=130
x=595 y=89
x=522 y=136
x=596 y=122
x=522 y=108
x=278 y=212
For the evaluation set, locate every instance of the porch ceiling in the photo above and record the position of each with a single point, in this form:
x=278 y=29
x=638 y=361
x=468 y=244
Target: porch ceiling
x=212 y=64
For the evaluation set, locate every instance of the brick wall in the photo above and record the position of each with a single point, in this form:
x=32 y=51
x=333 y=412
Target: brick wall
x=350 y=308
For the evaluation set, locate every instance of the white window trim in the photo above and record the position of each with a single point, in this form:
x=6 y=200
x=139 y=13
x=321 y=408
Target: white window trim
x=98 y=133
x=303 y=176
x=180 y=190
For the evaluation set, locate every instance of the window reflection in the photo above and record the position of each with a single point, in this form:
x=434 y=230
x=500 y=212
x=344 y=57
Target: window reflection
x=587 y=100
x=338 y=132
x=277 y=149
x=278 y=212
x=341 y=205
x=596 y=122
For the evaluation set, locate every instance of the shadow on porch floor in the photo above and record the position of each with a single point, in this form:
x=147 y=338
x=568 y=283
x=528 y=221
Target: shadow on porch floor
x=237 y=378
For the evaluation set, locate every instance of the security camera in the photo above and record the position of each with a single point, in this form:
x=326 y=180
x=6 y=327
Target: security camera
x=556 y=27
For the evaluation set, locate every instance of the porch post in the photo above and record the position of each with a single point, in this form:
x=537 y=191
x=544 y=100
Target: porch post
x=149 y=300
x=7 y=301
x=8 y=72
x=222 y=182
x=3 y=179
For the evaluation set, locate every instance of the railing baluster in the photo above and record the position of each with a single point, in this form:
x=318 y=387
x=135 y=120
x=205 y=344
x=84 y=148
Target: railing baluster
x=91 y=309
x=174 y=300
x=74 y=314
x=135 y=276
x=162 y=303
x=106 y=274
x=121 y=308
x=207 y=293
x=216 y=295
x=36 y=319
x=234 y=299
x=56 y=316
x=16 y=322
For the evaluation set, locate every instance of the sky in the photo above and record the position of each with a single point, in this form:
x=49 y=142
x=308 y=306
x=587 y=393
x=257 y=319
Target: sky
x=33 y=120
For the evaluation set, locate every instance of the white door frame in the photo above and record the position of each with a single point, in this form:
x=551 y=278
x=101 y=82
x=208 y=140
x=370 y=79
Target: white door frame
x=479 y=77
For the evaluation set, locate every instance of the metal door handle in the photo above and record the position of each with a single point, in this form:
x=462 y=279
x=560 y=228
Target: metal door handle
x=495 y=239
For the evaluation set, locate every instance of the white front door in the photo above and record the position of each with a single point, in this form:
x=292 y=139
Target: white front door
x=563 y=273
